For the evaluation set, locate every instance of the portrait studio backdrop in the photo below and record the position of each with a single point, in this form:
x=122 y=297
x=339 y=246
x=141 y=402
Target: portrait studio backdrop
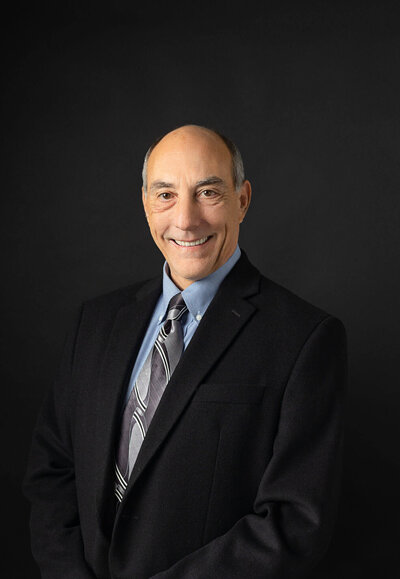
x=310 y=92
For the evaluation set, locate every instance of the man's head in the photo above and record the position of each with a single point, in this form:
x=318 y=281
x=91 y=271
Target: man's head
x=195 y=197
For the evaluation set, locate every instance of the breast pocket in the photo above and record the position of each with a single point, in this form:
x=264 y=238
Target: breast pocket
x=229 y=393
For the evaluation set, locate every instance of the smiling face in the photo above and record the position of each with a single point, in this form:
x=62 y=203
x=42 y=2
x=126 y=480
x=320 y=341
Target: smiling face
x=191 y=204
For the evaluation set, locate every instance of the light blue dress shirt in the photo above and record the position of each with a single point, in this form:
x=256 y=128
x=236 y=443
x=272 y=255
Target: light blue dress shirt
x=197 y=296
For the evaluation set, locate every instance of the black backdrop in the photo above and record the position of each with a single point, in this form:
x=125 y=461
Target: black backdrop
x=310 y=92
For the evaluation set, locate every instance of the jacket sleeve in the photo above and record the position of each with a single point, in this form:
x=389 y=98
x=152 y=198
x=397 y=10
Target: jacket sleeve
x=294 y=511
x=49 y=483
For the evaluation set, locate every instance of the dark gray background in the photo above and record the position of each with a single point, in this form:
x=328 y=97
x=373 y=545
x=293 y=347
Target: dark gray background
x=310 y=92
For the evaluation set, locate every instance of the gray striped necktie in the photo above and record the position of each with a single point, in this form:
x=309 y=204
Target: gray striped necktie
x=147 y=391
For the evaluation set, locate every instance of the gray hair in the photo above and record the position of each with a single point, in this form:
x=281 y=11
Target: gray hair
x=237 y=161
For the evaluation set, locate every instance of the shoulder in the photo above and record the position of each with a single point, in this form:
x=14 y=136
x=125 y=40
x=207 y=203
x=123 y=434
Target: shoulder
x=114 y=300
x=280 y=308
x=285 y=302
x=292 y=314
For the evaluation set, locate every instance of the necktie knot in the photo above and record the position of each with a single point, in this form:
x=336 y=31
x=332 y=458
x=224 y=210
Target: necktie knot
x=176 y=308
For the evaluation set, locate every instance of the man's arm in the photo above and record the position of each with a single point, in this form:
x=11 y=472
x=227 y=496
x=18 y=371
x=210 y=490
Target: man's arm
x=294 y=511
x=50 y=482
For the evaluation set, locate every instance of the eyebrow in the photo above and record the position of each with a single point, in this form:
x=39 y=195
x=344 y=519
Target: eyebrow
x=160 y=185
x=212 y=180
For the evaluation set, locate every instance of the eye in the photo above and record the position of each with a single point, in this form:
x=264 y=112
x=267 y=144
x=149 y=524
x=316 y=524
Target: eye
x=165 y=196
x=208 y=193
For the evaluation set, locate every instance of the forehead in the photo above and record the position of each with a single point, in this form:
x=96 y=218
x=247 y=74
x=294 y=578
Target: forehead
x=189 y=154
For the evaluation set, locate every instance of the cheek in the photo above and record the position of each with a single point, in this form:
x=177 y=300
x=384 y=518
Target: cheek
x=216 y=216
x=227 y=220
x=157 y=224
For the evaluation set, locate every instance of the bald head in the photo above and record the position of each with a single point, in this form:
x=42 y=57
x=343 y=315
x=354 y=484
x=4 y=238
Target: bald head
x=191 y=135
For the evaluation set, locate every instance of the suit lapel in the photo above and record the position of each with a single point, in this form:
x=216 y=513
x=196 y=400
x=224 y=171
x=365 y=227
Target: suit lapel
x=226 y=316
x=123 y=346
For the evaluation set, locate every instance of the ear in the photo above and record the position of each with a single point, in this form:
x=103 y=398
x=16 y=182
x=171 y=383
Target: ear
x=144 y=200
x=244 y=198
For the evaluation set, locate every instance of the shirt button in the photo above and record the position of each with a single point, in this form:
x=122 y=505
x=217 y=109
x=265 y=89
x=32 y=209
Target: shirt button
x=160 y=319
x=198 y=317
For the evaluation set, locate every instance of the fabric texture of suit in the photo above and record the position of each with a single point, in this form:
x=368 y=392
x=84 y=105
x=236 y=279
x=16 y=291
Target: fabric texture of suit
x=239 y=473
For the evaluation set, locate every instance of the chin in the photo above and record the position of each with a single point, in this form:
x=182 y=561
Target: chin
x=195 y=275
x=188 y=277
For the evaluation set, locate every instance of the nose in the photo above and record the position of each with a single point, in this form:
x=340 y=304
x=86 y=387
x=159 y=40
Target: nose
x=187 y=214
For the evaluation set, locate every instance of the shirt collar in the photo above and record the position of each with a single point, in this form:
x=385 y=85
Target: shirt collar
x=199 y=294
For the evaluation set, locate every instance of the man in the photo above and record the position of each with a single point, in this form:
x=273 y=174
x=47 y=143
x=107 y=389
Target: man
x=195 y=427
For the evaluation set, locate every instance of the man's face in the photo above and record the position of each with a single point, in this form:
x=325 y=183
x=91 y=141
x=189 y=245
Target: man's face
x=192 y=207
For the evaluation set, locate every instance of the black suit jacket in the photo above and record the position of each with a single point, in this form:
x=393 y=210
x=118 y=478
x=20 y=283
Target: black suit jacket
x=238 y=475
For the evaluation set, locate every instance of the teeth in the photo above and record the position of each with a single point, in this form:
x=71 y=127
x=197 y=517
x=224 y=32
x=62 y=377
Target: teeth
x=191 y=243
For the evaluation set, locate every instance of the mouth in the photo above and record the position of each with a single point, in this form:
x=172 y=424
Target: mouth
x=193 y=243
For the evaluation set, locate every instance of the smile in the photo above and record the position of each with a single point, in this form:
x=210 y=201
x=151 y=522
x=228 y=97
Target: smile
x=192 y=243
